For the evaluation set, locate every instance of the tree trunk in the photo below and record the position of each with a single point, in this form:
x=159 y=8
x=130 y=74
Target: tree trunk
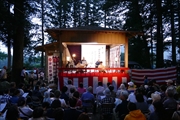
x=18 y=43
x=159 y=50
x=173 y=34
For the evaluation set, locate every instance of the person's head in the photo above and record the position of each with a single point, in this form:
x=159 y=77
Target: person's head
x=12 y=113
x=111 y=87
x=47 y=94
x=131 y=84
x=81 y=85
x=12 y=84
x=139 y=97
x=99 y=83
x=58 y=114
x=21 y=86
x=83 y=116
x=124 y=94
x=72 y=90
x=170 y=93
x=69 y=81
x=122 y=86
x=145 y=77
x=163 y=88
x=155 y=97
x=107 y=92
x=131 y=106
x=90 y=89
x=37 y=87
x=16 y=92
x=72 y=102
x=56 y=104
x=64 y=89
x=21 y=101
x=169 y=82
x=76 y=94
x=57 y=94
x=45 y=105
x=38 y=112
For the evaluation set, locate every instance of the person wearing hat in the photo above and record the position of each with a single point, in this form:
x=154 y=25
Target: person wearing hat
x=131 y=87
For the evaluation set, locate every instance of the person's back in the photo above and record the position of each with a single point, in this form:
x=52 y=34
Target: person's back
x=72 y=113
x=134 y=113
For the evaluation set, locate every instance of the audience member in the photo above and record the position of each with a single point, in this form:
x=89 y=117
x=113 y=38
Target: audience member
x=72 y=113
x=134 y=113
x=131 y=87
x=47 y=97
x=159 y=112
x=12 y=113
x=38 y=114
x=76 y=95
x=64 y=95
x=121 y=109
x=69 y=86
x=24 y=110
x=81 y=89
x=83 y=116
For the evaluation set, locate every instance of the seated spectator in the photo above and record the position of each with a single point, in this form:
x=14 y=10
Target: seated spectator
x=43 y=88
x=131 y=87
x=6 y=97
x=107 y=111
x=47 y=97
x=57 y=95
x=76 y=95
x=121 y=109
x=12 y=87
x=99 y=91
x=38 y=114
x=64 y=95
x=55 y=112
x=69 y=86
x=45 y=106
x=72 y=113
x=15 y=97
x=113 y=93
x=176 y=115
x=141 y=104
x=121 y=87
x=134 y=113
x=87 y=98
x=12 y=113
x=159 y=112
x=154 y=98
x=24 y=110
x=83 y=116
x=72 y=90
x=170 y=102
x=21 y=88
x=81 y=89
x=37 y=93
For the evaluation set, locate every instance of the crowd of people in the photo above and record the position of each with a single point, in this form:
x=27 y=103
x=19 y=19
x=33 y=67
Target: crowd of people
x=149 y=101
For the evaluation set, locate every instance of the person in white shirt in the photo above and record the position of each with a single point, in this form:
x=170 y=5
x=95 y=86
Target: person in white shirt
x=69 y=86
x=24 y=110
x=57 y=95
